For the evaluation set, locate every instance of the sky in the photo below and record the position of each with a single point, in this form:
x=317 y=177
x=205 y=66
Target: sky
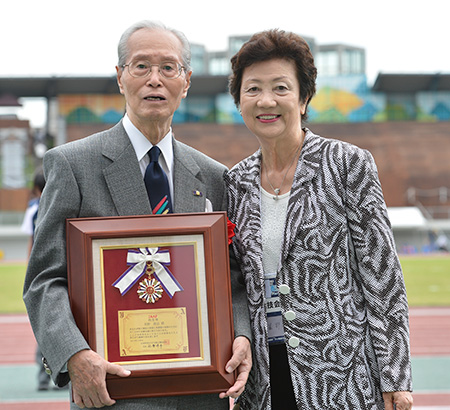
x=66 y=38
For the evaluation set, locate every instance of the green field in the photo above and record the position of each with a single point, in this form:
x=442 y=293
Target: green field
x=427 y=282
x=11 y=284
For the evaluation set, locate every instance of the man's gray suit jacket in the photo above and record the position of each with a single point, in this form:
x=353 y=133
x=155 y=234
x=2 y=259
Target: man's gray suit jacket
x=100 y=176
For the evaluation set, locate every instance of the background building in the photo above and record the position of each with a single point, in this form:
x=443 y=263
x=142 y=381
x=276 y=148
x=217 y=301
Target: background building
x=403 y=120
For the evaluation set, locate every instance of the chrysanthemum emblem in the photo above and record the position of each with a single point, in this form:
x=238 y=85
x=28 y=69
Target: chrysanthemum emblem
x=150 y=290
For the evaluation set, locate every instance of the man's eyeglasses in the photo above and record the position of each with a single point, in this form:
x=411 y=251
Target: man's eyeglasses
x=142 y=68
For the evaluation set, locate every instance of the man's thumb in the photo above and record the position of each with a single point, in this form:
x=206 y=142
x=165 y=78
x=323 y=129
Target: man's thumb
x=117 y=370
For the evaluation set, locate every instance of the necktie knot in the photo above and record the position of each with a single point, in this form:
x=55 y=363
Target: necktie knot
x=154 y=154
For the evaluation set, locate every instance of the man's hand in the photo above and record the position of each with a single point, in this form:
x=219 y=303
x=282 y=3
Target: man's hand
x=402 y=399
x=242 y=361
x=87 y=371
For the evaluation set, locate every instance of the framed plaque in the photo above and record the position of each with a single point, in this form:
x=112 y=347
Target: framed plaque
x=153 y=294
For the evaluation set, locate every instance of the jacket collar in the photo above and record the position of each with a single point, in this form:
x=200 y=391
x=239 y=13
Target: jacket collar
x=122 y=174
x=309 y=161
x=126 y=185
x=307 y=168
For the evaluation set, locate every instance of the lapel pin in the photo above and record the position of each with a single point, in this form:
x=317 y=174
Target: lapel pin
x=197 y=193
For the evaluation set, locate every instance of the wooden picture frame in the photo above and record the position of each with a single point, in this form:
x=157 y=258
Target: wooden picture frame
x=153 y=294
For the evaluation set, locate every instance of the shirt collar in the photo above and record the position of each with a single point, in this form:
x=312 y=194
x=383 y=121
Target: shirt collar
x=142 y=145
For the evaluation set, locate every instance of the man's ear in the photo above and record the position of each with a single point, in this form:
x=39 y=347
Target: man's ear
x=187 y=84
x=119 y=72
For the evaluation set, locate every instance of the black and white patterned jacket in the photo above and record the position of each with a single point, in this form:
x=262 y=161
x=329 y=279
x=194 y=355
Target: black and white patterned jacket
x=349 y=339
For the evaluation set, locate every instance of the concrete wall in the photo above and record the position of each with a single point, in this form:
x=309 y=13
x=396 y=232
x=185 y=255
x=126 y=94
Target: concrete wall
x=408 y=154
x=14 y=244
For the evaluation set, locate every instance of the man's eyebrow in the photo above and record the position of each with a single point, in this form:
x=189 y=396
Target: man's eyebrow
x=148 y=58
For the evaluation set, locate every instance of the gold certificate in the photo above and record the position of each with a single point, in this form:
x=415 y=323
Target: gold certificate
x=158 y=331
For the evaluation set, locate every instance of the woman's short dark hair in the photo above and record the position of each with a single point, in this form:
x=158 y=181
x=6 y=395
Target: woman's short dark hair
x=271 y=44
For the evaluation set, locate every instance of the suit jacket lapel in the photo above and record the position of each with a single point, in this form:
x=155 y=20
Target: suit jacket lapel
x=123 y=176
x=250 y=189
x=189 y=190
x=307 y=167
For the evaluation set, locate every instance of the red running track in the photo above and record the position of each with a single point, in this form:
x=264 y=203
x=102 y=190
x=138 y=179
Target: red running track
x=430 y=336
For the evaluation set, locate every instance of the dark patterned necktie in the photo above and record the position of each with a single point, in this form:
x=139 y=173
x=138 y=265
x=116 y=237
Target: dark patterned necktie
x=157 y=184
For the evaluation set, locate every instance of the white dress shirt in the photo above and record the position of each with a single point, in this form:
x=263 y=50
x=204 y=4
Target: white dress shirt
x=142 y=145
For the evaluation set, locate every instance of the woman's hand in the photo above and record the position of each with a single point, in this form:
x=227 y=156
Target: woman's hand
x=402 y=399
x=242 y=361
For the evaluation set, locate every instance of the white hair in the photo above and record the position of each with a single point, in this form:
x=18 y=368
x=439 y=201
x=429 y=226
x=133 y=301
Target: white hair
x=153 y=25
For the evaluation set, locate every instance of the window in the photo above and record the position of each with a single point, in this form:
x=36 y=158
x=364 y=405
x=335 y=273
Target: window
x=219 y=66
x=352 y=62
x=327 y=63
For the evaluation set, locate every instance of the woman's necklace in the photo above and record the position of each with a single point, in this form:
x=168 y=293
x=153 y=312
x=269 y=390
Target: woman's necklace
x=278 y=190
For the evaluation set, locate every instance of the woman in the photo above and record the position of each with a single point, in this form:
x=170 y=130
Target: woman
x=325 y=287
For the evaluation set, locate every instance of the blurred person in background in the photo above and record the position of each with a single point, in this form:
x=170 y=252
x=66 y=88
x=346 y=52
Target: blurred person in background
x=326 y=293
x=442 y=242
x=29 y=220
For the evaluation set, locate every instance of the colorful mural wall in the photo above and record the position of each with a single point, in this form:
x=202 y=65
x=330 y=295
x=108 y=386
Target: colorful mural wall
x=349 y=99
x=345 y=99
x=91 y=108
x=434 y=106
x=338 y=99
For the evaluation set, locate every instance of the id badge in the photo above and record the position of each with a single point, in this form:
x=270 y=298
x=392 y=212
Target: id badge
x=273 y=310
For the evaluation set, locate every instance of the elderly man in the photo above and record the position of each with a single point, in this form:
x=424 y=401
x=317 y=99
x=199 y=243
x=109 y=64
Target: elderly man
x=112 y=173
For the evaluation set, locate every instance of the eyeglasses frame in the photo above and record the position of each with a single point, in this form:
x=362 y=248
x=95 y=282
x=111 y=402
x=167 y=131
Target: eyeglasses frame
x=180 y=69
